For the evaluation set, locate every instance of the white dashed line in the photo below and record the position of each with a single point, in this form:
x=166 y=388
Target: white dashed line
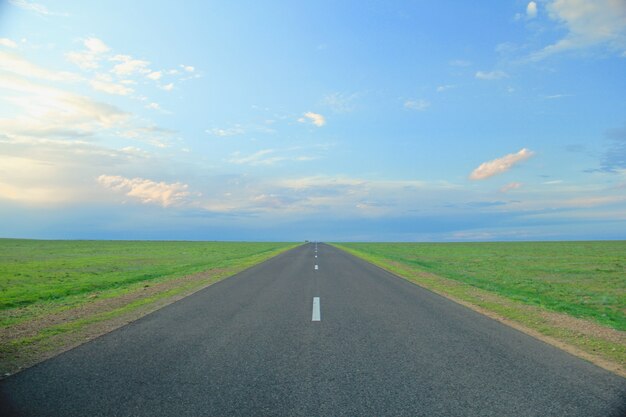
x=316 y=309
x=316 y=267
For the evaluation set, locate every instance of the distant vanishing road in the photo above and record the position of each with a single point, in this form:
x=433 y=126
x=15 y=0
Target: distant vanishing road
x=285 y=338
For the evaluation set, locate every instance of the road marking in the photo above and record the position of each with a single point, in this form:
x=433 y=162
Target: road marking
x=316 y=309
x=316 y=256
x=316 y=267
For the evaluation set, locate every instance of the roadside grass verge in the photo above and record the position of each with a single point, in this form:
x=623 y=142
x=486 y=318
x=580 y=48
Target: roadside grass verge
x=570 y=294
x=55 y=295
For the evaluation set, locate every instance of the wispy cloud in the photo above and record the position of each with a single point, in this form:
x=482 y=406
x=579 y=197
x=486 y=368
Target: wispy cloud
x=556 y=96
x=155 y=75
x=104 y=84
x=491 y=75
x=315 y=118
x=129 y=65
x=45 y=109
x=614 y=158
x=26 y=180
x=153 y=135
x=126 y=69
x=500 y=165
x=511 y=186
x=57 y=112
x=589 y=23
x=90 y=57
x=267 y=157
x=531 y=10
x=225 y=132
x=50 y=170
x=595 y=201
x=442 y=88
x=419 y=105
x=340 y=102
x=17 y=65
x=6 y=42
x=35 y=7
x=261 y=157
x=147 y=191
x=319 y=181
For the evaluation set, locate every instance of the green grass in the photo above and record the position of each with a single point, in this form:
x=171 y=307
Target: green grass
x=583 y=279
x=37 y=275
x=57 y=294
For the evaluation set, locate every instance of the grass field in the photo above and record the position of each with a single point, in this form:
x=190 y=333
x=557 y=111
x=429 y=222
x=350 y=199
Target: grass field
x=34 y=271
x=539 y=285
x=51 y=288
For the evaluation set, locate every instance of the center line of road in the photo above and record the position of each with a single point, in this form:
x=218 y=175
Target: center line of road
x=316 y=309
x=316 y=267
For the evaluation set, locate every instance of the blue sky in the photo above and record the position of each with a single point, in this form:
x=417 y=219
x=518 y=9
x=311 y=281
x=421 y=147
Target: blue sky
x=401 y=121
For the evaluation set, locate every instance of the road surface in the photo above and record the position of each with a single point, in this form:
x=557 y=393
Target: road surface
x=301 y=335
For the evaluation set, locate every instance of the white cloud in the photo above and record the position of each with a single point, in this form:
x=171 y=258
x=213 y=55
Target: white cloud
x=231 y=131
x=500 y=165
x=154 y=106
x=320 y=181
x=89 y=58
x=168 y=87
x=594 y=201
x=147 y=191
x=8 y=43
x=419 y=105
x=556 y=96
x=47 y=170
x=443 y=88
x=35 y=7
x=342 y=195
x=315 y=118
x=188 y=68
x=152 y=135
x=110 y=87
x=511 y=186
x=340 y=102
x=83 y=60
x=589 y=23
x=491 y=75
x=129 y=65
x=19 y=66
x=24 y=180
x=261 y=157
x=270 y=157
x=531 y=10
x=155 y=75
x=96 y=46
x=44 y=109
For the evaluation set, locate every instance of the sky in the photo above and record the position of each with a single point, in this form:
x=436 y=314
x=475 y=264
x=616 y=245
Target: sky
x=331 y=121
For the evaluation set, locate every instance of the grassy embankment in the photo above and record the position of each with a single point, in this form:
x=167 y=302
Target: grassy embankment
x=57 y=294
x=571 y=294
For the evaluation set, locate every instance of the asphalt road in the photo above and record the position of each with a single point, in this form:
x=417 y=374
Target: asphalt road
x=252 y=345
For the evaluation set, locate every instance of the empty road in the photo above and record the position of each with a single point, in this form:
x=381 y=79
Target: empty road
x=314 y=334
